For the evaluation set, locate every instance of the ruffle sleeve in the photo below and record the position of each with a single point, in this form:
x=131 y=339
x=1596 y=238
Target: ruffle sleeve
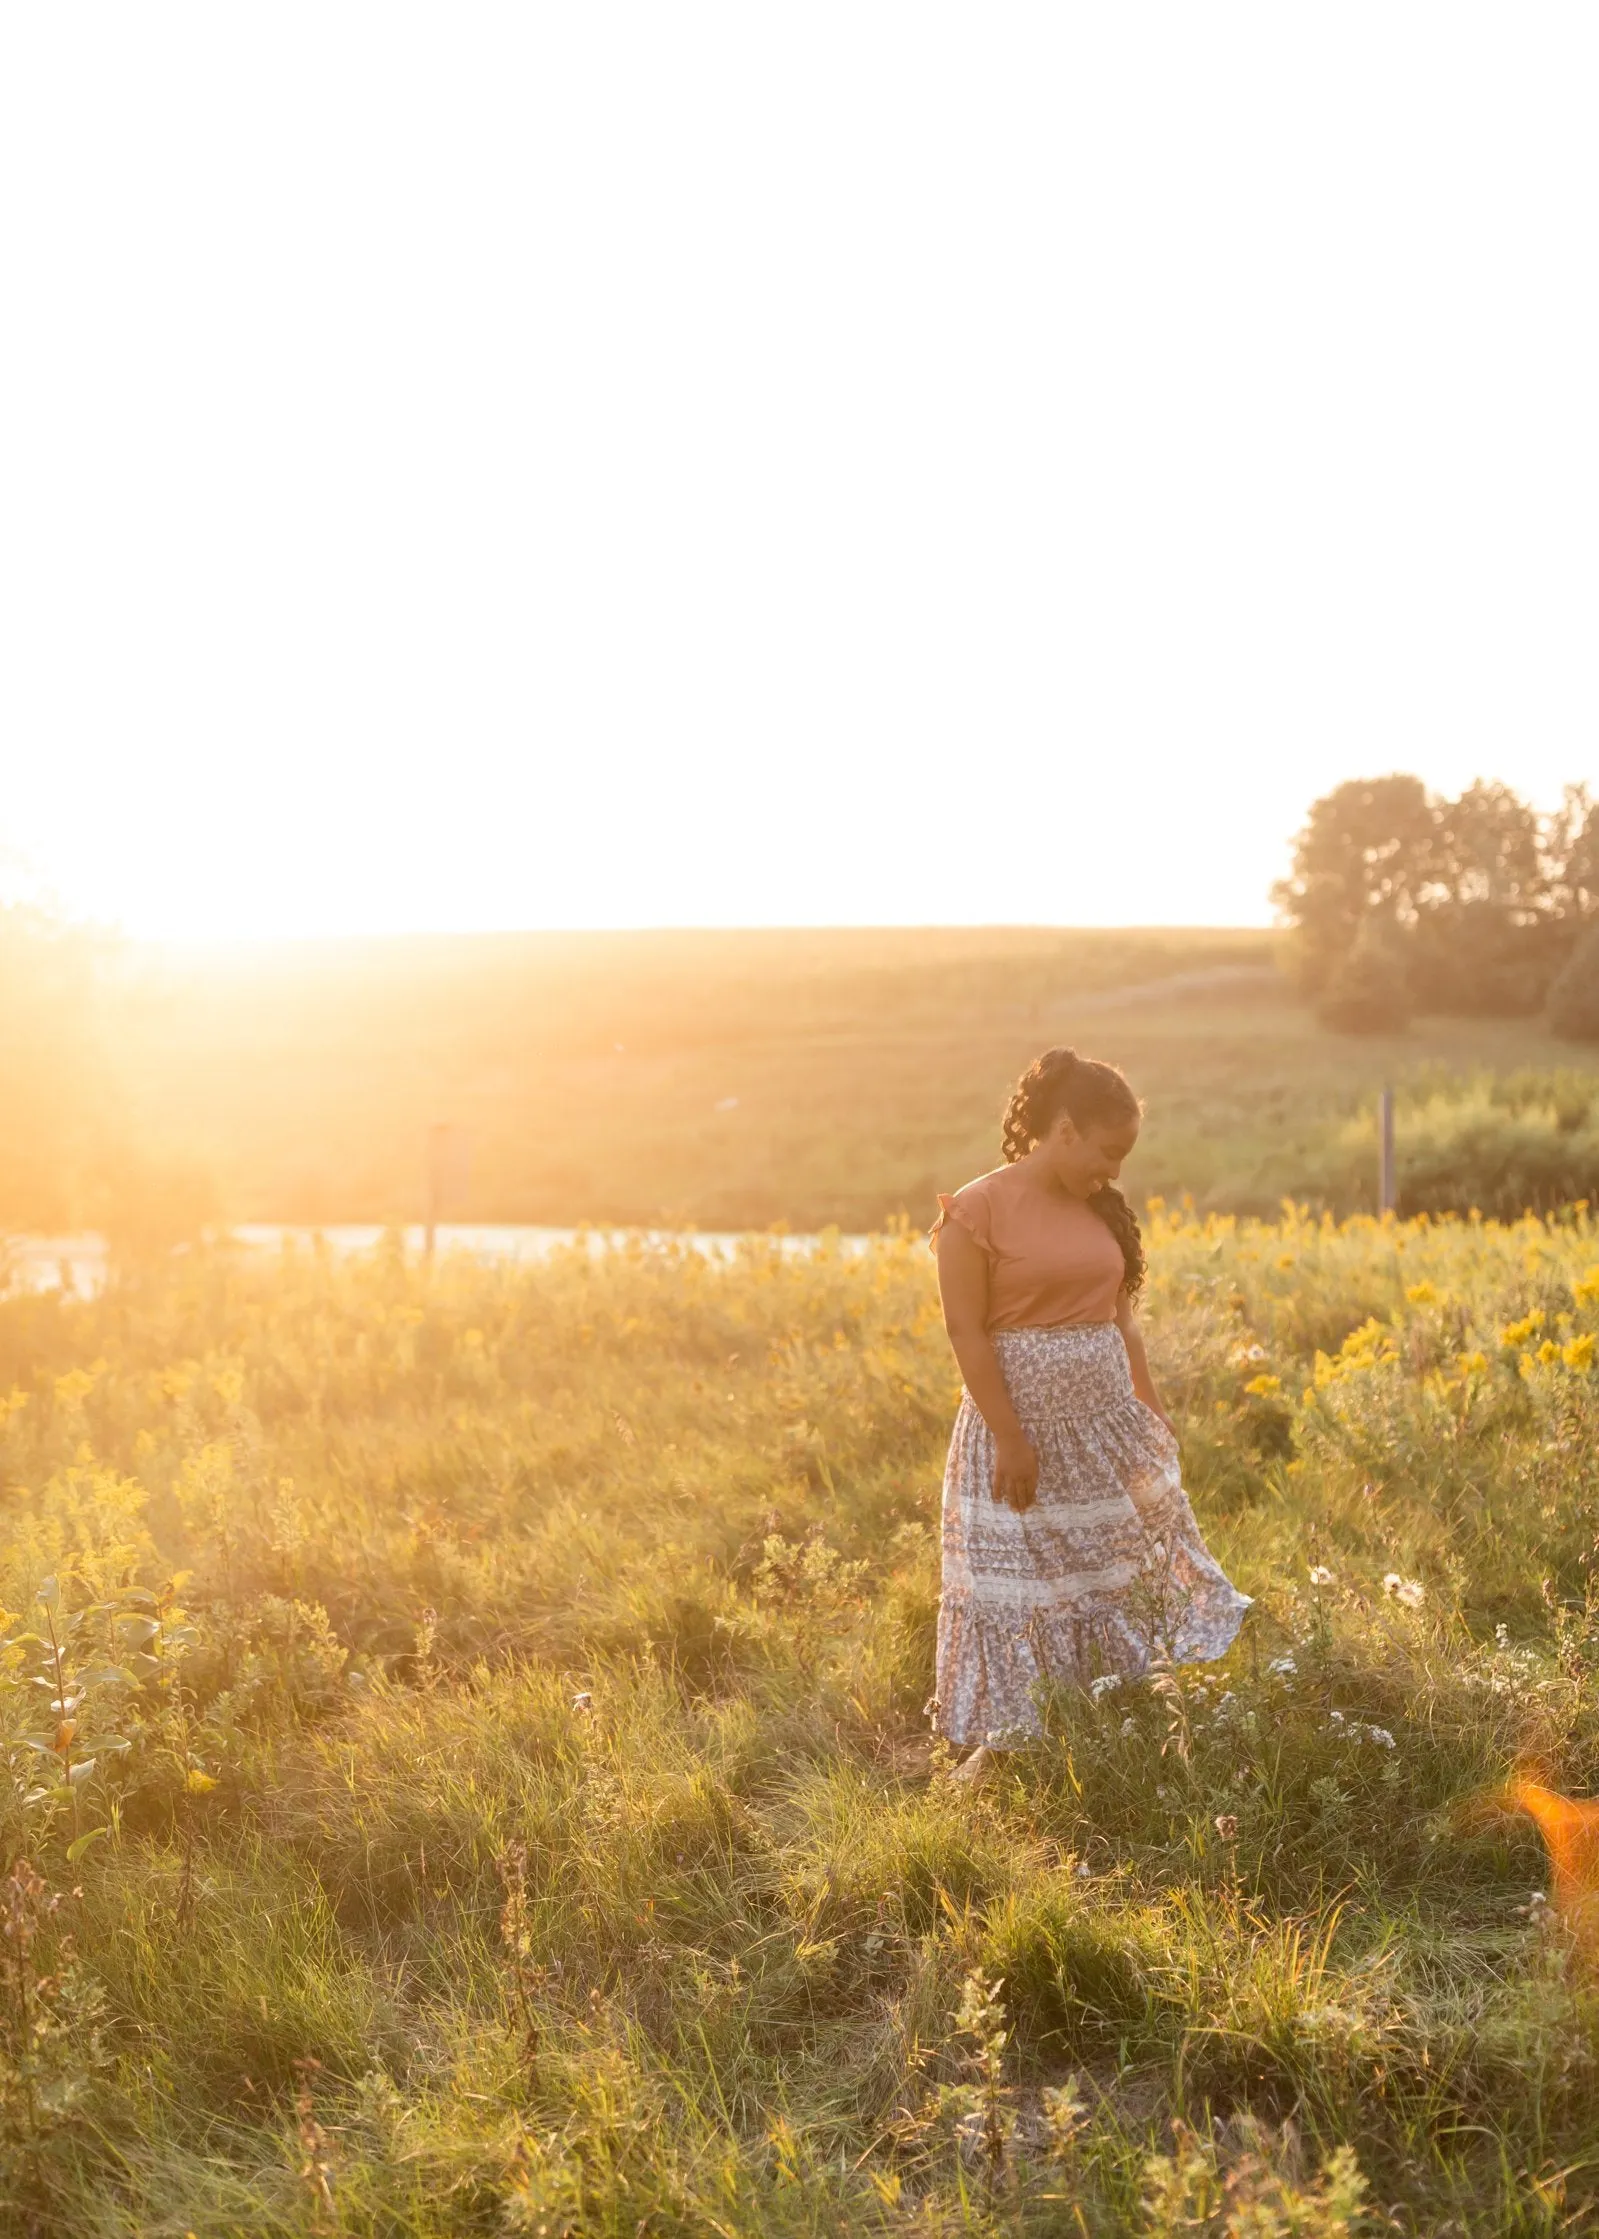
x=970 y=1207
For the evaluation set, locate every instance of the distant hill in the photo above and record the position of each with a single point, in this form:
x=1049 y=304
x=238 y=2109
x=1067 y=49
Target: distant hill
x=727 y=1079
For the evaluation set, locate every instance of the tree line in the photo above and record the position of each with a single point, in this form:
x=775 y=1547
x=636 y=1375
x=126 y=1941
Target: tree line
x=1401 y=900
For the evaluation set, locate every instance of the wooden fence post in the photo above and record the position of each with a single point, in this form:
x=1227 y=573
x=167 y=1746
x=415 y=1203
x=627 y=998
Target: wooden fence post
x=449 y=1156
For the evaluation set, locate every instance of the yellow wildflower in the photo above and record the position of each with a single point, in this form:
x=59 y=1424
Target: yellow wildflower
x=1517 y=1333
x=1472 y=1364
x=1578 y=1354
x=1548 y=1352
x=1586 y=1289
x=1422 y=1294
x=1262 y=1387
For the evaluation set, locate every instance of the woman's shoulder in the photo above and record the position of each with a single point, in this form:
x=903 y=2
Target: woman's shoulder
x=982 y=1185
x=972 y=1207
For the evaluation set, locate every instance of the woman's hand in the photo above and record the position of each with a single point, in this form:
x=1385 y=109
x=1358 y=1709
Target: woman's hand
x=1016 y=1471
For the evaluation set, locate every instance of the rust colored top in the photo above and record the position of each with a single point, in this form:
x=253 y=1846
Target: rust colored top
x=1052 y=1262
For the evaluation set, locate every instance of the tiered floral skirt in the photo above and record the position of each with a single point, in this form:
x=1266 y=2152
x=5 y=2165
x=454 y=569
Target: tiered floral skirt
x=1106 y=1572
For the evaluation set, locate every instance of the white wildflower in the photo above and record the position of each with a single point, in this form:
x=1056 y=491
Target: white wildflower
x=1104 y=1685
x=1284 y=1667
x=1320 y=1575
x=1381 y=1736
x=1129 y=1726
x=1408 y=1592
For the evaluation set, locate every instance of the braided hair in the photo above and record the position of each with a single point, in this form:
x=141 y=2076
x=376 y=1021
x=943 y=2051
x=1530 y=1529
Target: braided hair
x=1090 y=1093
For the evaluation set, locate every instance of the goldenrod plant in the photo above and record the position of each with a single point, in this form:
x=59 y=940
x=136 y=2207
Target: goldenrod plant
x=482 y=1709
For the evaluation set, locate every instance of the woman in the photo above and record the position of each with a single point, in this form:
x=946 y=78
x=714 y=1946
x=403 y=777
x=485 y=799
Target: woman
x=1069 y=1546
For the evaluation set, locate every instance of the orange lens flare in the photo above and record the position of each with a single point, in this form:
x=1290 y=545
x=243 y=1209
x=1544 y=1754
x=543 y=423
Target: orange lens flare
x=1570 y=1829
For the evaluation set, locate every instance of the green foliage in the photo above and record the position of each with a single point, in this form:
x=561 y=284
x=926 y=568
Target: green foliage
x=1528 y=1141
x=504 y=1695
x=1188 y=2192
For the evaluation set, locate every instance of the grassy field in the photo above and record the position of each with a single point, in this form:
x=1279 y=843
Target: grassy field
x=735 y=1079
x=466 y=1739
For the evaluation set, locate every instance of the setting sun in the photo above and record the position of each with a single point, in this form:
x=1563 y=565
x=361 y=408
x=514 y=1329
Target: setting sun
x=836 y=469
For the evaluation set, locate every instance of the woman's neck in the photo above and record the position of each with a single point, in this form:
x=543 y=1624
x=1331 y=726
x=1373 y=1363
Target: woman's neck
x=1040 y=1170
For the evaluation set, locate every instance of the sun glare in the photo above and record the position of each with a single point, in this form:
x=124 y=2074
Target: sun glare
x=749 y=470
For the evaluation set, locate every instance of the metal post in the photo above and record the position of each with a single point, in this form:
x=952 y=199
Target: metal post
x=437 y=1152
x=1387 y=1190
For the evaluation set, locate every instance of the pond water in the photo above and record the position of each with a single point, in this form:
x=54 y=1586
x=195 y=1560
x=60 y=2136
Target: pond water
x=78 y=1263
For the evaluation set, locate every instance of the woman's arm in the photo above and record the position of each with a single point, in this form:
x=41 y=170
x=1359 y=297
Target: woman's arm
x=1138 y=1359
x=963 y=1287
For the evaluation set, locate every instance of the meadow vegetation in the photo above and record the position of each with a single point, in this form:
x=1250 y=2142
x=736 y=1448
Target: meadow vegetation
x=466 y=1764
x=731 y=1080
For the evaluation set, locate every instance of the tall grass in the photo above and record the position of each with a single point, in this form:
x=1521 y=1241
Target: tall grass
x=467 y=1767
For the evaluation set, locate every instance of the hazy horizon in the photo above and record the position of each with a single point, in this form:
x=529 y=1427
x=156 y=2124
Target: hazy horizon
x=622 y=468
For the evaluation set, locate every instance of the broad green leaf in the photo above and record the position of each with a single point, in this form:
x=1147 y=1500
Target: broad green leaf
x=75 y=1850
x=137 y=1630
x=77 y=1774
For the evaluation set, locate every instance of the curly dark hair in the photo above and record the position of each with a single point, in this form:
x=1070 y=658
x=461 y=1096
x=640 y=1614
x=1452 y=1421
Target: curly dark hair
x=1091 y=1094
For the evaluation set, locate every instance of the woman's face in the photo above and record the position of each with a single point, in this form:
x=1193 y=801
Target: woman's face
x=1083 y=1160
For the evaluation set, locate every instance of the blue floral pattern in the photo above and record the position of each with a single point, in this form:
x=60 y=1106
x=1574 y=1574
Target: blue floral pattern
x=1106 y=1572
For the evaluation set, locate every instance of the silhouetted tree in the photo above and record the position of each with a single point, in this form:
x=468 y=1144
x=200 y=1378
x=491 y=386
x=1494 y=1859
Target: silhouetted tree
x=1486 y=937
x=1365 y=849
x=1571 y=849
x=1478 y=901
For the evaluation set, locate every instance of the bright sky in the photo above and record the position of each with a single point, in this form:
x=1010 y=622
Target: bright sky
x=553 y=464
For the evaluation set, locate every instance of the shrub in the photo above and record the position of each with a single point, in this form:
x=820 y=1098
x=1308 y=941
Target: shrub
x=1574 y=996
x=1369 y=991
x=1469 y=1145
